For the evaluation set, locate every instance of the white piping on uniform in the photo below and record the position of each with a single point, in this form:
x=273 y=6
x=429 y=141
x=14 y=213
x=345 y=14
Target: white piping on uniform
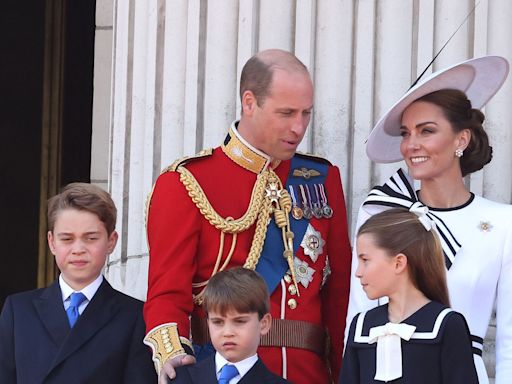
x=359 y=338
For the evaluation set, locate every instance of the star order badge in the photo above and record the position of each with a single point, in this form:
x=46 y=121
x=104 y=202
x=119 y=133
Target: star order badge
x=303 y=271
x=312 y=243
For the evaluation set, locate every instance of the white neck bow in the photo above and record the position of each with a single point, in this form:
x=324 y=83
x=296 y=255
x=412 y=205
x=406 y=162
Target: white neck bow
x=389 y=349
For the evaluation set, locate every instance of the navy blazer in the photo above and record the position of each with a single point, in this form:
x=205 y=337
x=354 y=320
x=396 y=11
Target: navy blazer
x=105 y=345
x=204 y=372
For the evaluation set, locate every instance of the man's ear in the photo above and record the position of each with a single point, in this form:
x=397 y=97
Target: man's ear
x=265 y=324
x=249 y=103
x=400 y=263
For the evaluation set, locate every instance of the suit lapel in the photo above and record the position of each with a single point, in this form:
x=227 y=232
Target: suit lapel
x=99 y=311
x=50 y=310
x=259 y=373
x=204 y=372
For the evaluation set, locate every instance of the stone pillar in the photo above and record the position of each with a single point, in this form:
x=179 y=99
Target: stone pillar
x=175 y=74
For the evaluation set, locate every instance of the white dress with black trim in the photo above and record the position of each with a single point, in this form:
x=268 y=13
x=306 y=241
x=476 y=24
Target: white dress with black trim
x=479 y=275
x=439 y=350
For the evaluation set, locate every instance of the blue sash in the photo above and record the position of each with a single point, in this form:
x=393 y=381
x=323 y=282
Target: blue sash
x=272 y=265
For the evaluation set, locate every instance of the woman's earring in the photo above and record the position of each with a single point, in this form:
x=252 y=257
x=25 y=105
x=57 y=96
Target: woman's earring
x=459 y=152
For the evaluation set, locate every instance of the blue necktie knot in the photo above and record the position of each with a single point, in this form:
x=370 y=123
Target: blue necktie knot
x=227 y=373
x=77 y=298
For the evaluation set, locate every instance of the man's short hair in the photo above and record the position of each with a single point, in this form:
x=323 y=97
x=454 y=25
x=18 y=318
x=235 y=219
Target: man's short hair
x=257 y=73
x=239 y=289
x=83 y=197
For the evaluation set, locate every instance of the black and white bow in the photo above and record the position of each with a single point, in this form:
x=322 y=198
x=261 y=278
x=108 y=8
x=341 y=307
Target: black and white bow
x=398 y=192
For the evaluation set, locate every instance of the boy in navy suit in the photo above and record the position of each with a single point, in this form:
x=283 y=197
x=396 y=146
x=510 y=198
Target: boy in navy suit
x=237 y=305
x=79 y=329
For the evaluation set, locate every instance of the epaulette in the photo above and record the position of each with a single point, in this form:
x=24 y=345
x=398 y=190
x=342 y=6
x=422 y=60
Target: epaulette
x=313 y=157
x=174 y=166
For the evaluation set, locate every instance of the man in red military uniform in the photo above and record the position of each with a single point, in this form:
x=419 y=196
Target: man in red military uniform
x=254 y=202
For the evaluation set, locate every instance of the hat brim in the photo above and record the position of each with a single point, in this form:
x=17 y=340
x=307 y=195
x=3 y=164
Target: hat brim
x=479 y=78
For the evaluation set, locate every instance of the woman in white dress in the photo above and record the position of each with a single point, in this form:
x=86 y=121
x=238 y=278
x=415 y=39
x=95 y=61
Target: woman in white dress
x=437 y=129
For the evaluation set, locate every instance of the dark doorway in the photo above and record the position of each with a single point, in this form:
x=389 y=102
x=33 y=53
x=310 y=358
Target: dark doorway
x=23 y=89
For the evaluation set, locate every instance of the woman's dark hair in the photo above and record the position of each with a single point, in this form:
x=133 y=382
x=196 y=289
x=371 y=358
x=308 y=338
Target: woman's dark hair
x=458 y=111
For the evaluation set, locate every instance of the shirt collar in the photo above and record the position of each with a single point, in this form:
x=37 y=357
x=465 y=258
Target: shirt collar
x=244 y=154
x=88 y=291
x=242 y=366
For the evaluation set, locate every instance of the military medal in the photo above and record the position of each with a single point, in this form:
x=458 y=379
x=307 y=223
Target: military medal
x=312 y=207
x=297 y=213
x=312 y=243
x=326 y=209
x=296 y=210
x=306 y=209
x=317 y=210
x=307 y=213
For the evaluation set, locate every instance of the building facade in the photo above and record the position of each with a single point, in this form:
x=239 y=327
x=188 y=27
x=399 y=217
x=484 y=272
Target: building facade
x=167 y=74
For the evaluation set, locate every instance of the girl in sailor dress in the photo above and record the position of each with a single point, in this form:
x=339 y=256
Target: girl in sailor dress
x=415 y=337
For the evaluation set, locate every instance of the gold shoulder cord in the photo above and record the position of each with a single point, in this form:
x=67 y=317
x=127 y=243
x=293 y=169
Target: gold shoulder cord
x=268 y=196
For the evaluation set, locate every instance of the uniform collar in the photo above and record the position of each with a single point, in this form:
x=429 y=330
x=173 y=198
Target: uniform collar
x=244 y=154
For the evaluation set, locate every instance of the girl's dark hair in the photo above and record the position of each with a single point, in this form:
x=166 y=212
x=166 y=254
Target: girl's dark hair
x=458 y=111
x=400 y=231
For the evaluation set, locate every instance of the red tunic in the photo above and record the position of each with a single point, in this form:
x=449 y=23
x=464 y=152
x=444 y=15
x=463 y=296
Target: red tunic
x=183 y=250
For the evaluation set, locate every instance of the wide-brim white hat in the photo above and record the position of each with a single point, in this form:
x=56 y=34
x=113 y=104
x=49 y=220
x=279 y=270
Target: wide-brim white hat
x=480 y=78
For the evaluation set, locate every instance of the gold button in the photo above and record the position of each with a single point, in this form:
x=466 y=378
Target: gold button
x=287 y=278
x=292 y=290
x=292 y=303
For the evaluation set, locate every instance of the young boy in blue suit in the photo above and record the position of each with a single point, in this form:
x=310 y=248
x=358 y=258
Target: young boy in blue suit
x=79 y=329
x=237 y=305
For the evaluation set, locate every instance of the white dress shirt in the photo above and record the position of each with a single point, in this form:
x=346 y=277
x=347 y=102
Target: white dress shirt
x=88 y=291
x=242 y=366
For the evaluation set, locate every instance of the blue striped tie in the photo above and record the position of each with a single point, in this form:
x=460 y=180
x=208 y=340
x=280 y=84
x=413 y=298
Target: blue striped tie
x=76 y=299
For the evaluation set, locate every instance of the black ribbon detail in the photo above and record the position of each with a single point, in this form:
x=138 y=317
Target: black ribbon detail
x=398 y=192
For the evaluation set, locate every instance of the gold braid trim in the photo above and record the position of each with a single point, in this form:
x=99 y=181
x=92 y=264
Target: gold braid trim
x=259 y=237
x=165 y=343
x=227 y=225
x=268 y=196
